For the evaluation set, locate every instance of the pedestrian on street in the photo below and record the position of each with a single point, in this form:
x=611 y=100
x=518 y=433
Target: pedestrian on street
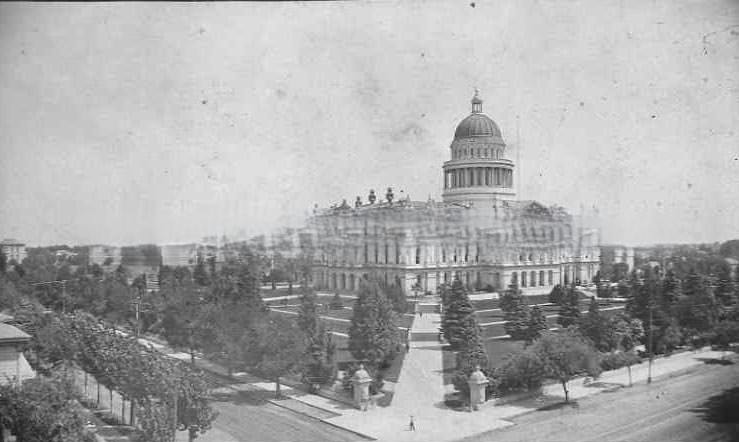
x=411 y=426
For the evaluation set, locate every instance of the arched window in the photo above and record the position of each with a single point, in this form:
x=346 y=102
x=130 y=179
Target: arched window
x=523 y=279
x=418 y=255
x=530 y=256
x=541 y=277
x=551 y=277
x=533 y=278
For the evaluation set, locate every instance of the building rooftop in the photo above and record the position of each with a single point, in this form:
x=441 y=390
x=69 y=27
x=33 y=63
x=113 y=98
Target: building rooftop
x=10 y=334
x=11 y=242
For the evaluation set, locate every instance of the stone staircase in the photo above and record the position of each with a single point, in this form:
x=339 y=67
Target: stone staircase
x=427 y=322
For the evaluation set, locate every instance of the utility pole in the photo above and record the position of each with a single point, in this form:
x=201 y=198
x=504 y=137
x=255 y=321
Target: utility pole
x=651 y=333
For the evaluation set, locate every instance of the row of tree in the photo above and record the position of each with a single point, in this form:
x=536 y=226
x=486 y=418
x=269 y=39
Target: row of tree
x=153 y=383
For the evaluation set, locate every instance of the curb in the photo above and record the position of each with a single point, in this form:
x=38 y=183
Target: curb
x=362 y=435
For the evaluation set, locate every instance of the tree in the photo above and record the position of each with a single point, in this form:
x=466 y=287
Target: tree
x=470 y=356
x=373 y=334
x=520 y=371
x=515 y=313
x=536 y=325
x=564 y=355
x=593 y=326
x=397 y=297
x=569 y=308
x=624 y=333
x=456 y=314
x=200 y=274
x=281 y=348
x=697 y=309
x=43 y=410
x=473 y=352
x=556 y=295
x=319 y=346
x=185 y=323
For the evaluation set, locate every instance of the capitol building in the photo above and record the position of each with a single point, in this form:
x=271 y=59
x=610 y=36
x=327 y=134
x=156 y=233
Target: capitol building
x=479 y=233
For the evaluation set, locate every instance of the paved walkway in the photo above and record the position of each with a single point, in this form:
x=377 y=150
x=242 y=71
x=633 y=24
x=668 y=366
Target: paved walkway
x=420 y=393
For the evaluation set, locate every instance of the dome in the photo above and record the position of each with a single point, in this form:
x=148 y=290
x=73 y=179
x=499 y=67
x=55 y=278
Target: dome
x=477 y=125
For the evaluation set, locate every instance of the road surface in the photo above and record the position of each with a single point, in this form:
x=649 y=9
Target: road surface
x=249 y=419
x=698 y=406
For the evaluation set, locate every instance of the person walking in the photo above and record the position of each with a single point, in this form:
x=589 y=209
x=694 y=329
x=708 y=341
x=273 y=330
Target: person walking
x=411 y=425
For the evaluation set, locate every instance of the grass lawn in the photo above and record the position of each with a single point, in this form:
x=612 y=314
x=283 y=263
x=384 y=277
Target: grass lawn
x=497 y=349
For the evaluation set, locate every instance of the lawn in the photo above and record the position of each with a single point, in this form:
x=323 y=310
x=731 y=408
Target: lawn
x=496 y=349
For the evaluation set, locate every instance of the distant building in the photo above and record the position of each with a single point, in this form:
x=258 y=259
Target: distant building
x=105 y=255
x=617 y=254
x=733 y=266
x=179 y=255
x=480 y=233
x=13 y=365
x=13 y=250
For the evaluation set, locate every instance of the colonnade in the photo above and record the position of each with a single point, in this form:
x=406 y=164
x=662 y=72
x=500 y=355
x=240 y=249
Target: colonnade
x=478 y=176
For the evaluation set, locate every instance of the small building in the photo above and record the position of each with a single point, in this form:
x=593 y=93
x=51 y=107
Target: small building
x=13 y=365
x=13 y=250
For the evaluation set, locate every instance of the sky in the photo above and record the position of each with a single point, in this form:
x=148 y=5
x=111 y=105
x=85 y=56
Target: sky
x=130 y=123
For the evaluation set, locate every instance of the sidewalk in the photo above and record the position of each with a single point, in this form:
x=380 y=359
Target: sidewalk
x=420 y=393
x=435 y=422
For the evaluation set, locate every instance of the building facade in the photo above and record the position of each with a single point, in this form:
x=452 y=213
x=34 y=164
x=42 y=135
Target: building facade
x=13 y=250
x=479 y=232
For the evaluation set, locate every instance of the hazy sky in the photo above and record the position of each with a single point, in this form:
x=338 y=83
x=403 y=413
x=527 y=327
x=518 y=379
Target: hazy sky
x=128 y=123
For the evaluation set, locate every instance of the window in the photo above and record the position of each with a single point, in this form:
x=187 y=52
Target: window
x=541 y=277
x=533 y=278
x=397 y=254
x=551 y=277
x=514 y=278
x=377 y=253
x=523 y=279
x=443 y=254
x=418 y=255
x=386 y=253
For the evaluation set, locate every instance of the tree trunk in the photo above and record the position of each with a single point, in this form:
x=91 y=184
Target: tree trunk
x=277 y=387
x=567 y=393
x=132 y=415
x=85 y=385
x=629 y=369
x=98 y=397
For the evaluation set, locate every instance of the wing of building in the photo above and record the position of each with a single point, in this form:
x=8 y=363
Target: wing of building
x=479 y=232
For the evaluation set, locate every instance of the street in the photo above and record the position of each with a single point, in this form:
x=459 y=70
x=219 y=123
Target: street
x=690 y=407
x=248 y=418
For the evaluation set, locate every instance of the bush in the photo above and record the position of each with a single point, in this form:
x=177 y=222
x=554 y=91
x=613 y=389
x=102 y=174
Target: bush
x=523 y=371
x=613 y=361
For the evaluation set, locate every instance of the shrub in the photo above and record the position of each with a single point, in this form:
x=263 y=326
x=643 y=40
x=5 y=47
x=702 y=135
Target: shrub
x=613 y=361
x=522 y=371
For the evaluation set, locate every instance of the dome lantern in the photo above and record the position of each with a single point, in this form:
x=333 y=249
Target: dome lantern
x=477 y=102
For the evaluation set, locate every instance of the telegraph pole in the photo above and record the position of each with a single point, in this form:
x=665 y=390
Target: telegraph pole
x=651 y=333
